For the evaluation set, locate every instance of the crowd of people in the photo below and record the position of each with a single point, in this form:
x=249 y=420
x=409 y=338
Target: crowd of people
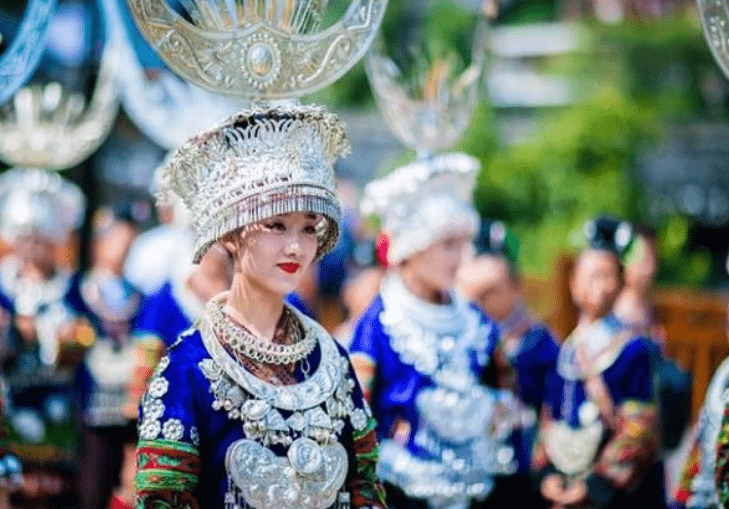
x=466 y=399
x=185 y=367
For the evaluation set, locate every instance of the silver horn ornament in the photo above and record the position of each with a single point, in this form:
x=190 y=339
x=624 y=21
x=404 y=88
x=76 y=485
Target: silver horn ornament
x=433 y=115
x=264 y=49
x=47 y=127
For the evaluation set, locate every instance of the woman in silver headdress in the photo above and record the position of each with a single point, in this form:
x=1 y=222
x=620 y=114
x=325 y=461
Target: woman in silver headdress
x=420 y=350
x=38 y=212
x=256 y=405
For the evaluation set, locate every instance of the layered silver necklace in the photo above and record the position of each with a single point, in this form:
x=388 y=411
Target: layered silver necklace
x=243 y=342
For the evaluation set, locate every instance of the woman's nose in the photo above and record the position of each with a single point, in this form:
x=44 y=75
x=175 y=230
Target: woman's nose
x=293 y=246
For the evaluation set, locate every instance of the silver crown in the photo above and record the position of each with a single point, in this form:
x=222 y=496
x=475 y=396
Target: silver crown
x=424 y=201
x=46 y=127
x=263 y=49
x=432 y=115
x=166 y=108
x=20 y=60
x=39 y=201
x=258 y=164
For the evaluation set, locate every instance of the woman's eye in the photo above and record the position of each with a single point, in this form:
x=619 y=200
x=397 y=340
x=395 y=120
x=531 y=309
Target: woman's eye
x=276 y=226
x=310 y=229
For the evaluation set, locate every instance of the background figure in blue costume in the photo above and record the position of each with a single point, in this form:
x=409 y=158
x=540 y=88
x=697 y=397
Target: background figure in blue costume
x=111 y=304
x=38 y=212
x=598 y=440
x=526 y=353
x=256 y=406
x=420 y=350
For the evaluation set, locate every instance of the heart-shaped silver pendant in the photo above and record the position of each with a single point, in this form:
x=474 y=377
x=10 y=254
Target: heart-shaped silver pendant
x=310 y=477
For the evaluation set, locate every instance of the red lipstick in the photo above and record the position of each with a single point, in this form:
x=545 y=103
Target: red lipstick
x=290 y=268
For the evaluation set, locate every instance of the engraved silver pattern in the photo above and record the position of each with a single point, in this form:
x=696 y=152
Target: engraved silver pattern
x=311 y=480
x=313 y=471
x=245 y=343
x=274 y=54
x=307 y=394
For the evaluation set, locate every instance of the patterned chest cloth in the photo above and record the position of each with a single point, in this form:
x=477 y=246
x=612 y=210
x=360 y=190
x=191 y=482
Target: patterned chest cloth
x=213 y=435
x=40 y=410
x=599 y=420
x=429 y=360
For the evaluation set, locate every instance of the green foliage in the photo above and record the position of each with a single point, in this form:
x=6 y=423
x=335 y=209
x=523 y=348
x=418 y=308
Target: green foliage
x=577 y=161
x=576 y=166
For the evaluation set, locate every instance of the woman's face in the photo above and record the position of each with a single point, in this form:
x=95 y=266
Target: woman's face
x=37 y=250
x=274 y=253
x=437 y=266
x=596 y=281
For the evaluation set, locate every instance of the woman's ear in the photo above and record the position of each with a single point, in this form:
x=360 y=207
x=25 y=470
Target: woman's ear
x=229 y=242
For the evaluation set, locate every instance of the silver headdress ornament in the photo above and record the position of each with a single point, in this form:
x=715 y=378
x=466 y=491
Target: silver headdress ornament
x=434 y=116
x=19 y=61
x=715 y=21
x=166 y=108
x=46 y=127
x=429 y=199
x=261 y=49
x=268 y=160
x=35 y=201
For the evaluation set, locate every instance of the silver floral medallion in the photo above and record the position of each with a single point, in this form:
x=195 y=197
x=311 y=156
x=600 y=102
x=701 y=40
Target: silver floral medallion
x=173 y=430
x=158 y=387
x=309 y=478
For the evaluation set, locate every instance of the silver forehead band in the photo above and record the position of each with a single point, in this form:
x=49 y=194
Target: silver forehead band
x=259 y=164
x=278 y=201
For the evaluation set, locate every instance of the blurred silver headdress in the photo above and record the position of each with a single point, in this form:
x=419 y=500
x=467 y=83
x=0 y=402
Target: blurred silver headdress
x=424 y=201
x=35 y=201
x=46 y=127
x=21 y=58
x=269 y=159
